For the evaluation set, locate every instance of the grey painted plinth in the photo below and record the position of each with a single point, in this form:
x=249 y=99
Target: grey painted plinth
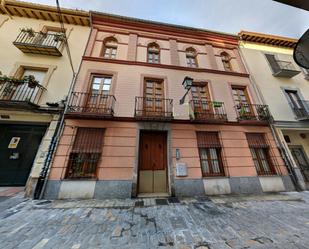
x=52 y=190
x=288 y=184
x=113 y=189
x=245 y=185
x=189 y=187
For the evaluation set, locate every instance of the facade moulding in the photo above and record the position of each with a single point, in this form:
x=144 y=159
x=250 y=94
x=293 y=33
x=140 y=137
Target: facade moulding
x=138 y=63
x=195 y=41
x=177 y=121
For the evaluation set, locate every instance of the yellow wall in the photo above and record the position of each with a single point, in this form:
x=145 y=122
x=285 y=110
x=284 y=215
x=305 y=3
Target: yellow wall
x=60 y=80
x=270 y=86
x=296 y=139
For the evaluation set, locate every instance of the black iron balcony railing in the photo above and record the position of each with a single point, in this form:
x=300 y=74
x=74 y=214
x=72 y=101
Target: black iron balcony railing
x=39 y=43
x=208 y=111
x=153 y=108
x=284 y=69
x=252 y=112
x=301 y=109
x=91 y=104
x=12 y=94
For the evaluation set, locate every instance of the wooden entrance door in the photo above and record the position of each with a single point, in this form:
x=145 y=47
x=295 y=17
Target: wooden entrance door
x=201 y=98
x=242 y=101
x=153 y=97
x=152 y=163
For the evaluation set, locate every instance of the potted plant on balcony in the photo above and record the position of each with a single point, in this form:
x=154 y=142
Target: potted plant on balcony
x=262 y=112
x=243 y=112
x=30 y=80
x=11 y=83
x=30 y=31
x=59 y=37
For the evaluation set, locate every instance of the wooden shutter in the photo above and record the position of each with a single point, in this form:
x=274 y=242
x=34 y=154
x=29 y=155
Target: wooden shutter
x=273 y=62
x=208 y=139
x=256 y=140
x=88 y=140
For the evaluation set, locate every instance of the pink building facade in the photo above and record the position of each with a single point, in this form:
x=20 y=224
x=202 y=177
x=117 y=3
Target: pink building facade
x=127 y=135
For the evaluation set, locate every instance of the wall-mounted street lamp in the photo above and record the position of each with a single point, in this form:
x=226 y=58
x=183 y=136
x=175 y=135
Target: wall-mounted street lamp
x=187 y=84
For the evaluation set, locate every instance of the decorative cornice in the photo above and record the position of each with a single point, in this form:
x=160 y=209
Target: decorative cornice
x=145 y=64
x=267 y=39
x=43 y=12
x=163 y=29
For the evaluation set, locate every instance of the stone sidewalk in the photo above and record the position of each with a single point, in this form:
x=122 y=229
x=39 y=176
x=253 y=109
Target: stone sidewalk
x=266 y=221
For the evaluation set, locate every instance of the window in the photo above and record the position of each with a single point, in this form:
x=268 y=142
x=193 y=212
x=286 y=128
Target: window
x=101 y=84
x=210 y=153
x=154 y=94
x=294 y=99
x=153 y=53
x=200 y=98
x=260 y=154
x=86 y=152
x=24 y=92
x=99 y=96
x=191 y=57
x=110 y=48
x=242 y=101
x=298 y=106
x=226 y=60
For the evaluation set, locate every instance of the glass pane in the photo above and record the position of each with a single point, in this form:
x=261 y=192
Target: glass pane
x=97 y=80
x=107 y=80
x=205 y=167
x=106 y=87
x=213 y=153
x=95 y=87
x=203 y=153
x=215 y=166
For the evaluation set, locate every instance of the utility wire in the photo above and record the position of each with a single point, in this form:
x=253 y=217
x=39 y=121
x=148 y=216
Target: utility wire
x=66 y=40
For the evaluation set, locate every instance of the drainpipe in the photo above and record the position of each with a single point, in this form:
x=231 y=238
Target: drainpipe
x=284 y=154
x=44 y=175
x=42 y=181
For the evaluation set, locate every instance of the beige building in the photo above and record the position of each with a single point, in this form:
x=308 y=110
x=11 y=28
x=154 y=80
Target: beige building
x=34 y=82
x=284 y=87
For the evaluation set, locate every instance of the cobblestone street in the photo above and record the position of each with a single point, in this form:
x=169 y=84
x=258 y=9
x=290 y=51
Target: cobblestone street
x=266 y=221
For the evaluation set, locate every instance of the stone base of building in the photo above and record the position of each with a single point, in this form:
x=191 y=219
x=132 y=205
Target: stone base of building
x=89 y=189
x=79 y=189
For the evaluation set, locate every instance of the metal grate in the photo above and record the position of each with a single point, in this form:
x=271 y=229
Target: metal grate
x=153 y=108
x=91 y=104
x=86 y=153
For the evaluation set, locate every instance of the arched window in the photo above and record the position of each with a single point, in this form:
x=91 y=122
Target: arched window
x=226 y=60
x=153 y=53
x=191 y=57
x=110 y=48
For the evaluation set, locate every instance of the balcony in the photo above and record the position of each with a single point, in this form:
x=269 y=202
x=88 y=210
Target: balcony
x=284 y=69
x=252 y=113
x=300 y=109
x=153 y=108
x=207 y=111
x=91 y=105
x=20 y=96
x=29 y=41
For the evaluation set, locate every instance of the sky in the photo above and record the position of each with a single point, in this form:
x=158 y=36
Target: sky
x=230 y=16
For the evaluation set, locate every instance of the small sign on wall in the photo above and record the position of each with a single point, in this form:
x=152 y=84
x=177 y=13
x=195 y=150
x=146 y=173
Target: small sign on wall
x=181 y=169
x=14 y=142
